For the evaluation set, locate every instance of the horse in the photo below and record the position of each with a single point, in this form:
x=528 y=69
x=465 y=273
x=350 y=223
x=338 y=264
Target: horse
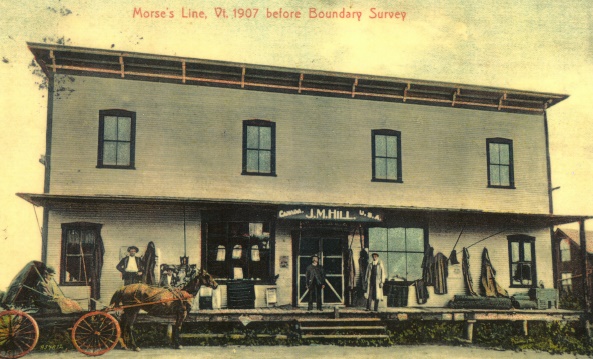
x=157 y=301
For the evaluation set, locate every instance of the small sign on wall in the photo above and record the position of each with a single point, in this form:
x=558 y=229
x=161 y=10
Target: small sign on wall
x=283 y=261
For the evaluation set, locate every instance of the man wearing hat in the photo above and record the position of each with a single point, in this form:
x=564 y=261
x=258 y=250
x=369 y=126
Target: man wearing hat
x=46 y=289
x=167 y=277
x=373 y=282
x=131 y=270
x=315 y=281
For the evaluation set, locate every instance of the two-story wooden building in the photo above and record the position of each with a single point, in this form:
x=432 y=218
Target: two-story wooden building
x=248 y=170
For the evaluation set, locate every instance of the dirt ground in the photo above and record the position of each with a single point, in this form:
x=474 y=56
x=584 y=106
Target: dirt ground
x=314 y=351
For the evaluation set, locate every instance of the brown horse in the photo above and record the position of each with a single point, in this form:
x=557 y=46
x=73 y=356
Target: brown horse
x=158 y=301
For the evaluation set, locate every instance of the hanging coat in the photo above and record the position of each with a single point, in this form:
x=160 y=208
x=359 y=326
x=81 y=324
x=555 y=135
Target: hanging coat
x=467 y=276
x=428 y=266
x=351 y=271
x=421 y=291
x=441 y=272
x=380 y=280
x=149 y=261
x=96 y=268
x=488 y=284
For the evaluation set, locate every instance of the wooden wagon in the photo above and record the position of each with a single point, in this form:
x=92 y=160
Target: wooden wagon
x=92 y=333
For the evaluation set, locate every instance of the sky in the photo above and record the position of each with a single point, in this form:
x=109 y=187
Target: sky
x=531 y=45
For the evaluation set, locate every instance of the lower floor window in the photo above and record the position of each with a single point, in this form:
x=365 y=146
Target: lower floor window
x=81 y=252
x=239 y=250
x=401 y=250
x=522 y=261
x=566 y=283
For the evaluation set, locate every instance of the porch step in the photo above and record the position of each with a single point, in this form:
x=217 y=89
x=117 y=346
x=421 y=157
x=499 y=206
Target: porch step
x=342 y=328
x=340 y=320
x=353 y=327
x=345 y=336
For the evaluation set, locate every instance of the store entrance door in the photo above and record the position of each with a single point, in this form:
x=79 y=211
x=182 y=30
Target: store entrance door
x=329 y=245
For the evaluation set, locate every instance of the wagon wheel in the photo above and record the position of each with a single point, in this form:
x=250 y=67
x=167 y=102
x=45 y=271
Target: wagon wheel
x=95 y=333
x=18 y=334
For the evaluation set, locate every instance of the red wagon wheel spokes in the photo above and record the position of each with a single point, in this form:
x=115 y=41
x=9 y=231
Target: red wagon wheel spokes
x=18 y=334
x=95 y=333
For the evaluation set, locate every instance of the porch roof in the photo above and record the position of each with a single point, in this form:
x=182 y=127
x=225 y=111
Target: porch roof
x=458 y=214
x=191 y=71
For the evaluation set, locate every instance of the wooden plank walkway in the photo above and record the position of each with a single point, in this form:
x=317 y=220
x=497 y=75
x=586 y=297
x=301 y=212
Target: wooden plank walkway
x=288 y=314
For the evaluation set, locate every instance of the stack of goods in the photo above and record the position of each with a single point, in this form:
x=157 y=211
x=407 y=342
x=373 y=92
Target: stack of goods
x=477 y=302
x=523 y=301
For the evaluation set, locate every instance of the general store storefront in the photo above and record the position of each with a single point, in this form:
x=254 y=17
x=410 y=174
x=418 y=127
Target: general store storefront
x=263 y=249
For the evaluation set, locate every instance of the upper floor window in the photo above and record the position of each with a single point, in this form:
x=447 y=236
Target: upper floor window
x=259 y=148
x=565 y=250
x=387 y=161
x=117 y=132
x=522 y=261
x=500 y=163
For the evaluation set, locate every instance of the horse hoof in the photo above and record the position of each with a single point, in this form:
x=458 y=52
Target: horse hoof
x=137 y=349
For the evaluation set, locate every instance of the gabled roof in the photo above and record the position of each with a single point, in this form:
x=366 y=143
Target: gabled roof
x=574 y=235
x=192 y=71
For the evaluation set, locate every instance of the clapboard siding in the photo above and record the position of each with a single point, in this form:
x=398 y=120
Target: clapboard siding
x=129 y=225
x=189 y=144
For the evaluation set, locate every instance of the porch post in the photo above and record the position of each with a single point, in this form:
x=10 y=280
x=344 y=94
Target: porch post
x=585 y=276
x=469 y=330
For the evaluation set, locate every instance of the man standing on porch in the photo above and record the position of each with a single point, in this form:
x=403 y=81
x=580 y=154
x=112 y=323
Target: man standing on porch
x=374 y=278
x=315 y=281
x=131 y=267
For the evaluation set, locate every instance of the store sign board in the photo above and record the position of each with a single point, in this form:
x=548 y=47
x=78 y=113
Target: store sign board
x=336 y=214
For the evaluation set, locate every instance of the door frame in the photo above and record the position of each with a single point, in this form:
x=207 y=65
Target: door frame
x=340 y=233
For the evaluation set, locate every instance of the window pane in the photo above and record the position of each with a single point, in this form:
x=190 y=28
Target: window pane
x=123 y=153
x=504 y=154
x=256 y=229
x=252 y=137
x=332 y=265
x=526 y=273
x=391 y=146
x=109 y=153
x=415 y=240
x=397 y=265
x=494 y=175
x=265 y=138
x=397 y=239
x=377 y=239
x=252 y=161
x=124 y=128
x=527 y=251
x=514 y=252
x=380 y=168
x=332 y=247
x=264 y=161
x=308 y=248
x=415 y=266
x=494 y=153
x=380 y=146
x=110 y=128
x=515 y=275
x=504 y=176
x=391 y=169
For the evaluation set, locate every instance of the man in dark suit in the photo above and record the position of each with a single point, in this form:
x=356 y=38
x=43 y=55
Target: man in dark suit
x=131 y=270
x=315 y=276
